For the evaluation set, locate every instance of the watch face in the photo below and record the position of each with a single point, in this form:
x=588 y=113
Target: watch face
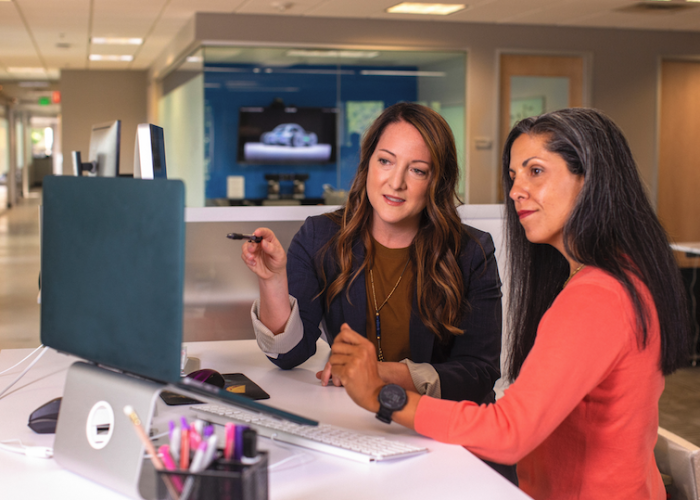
x=393 y=397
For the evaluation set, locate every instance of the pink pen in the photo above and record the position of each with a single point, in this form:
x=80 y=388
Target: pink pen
x=229 y=441
x=195 y=438
x=169 y=463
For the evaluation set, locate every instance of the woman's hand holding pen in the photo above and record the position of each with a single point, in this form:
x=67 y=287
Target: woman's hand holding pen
x=267 y=259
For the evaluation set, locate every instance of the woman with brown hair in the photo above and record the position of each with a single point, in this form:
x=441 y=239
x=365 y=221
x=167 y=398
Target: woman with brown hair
x=395 y=264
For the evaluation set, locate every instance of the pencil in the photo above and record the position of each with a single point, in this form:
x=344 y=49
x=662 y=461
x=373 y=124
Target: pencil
x=131 y=413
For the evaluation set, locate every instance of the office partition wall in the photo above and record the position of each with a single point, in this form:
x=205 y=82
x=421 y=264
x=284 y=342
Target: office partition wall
x=351 y=86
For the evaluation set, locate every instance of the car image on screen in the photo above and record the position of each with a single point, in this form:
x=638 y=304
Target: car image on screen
x=289 y=134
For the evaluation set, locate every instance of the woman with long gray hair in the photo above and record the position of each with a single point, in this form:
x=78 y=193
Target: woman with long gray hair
x=597 y=318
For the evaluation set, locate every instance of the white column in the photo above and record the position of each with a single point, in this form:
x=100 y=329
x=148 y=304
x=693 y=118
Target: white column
x=12 y=167
x=27 y=150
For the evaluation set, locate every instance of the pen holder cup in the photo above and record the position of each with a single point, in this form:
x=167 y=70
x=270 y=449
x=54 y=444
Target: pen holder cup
x=223 y=480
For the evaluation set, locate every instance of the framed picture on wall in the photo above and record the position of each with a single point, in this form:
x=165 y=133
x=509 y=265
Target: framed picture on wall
x=524 y=108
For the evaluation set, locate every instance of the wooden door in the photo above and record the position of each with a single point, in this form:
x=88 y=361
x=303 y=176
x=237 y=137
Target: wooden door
x=679 y=150
x=518 y=65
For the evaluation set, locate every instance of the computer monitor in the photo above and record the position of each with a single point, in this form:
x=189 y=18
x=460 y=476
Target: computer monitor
x=149 y=152
x=103 y=160
x=112 y=272
x=112 y=262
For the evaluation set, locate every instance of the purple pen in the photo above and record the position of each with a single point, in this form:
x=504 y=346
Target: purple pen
x=238 y=442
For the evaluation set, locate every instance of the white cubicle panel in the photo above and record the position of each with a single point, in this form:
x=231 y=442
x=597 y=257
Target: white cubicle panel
x=219 y=287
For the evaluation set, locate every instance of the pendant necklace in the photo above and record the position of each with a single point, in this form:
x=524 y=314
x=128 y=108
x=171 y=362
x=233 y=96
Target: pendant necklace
x=377 y=321
x=573 y=274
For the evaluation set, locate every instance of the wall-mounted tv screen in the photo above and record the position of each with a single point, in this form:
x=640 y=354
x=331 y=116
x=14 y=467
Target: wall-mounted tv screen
x=286 y=134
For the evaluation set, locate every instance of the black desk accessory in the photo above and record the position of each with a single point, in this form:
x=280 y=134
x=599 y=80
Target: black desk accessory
x=43 y=420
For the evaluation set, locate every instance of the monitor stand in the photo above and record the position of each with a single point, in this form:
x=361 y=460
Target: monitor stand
x=95 y=439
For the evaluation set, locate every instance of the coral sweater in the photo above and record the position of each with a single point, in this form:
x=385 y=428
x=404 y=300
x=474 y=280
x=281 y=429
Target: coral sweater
x=581 y=419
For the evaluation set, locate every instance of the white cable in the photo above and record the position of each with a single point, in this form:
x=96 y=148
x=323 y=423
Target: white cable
x=30 y=451
x=158 y=436
x=25 y=359
x=24 y=372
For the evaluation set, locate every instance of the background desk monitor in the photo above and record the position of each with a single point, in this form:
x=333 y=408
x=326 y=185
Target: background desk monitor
x=103 y=159
x=112 y=261
x=149 y=152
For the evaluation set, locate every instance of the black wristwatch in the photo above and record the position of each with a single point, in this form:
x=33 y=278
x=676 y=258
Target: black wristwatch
x=391 y=398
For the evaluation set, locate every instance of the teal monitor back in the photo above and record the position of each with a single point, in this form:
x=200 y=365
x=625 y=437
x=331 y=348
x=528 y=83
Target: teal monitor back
x=112 y=272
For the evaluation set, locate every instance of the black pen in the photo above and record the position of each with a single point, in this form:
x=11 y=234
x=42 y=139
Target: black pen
x=249 y=237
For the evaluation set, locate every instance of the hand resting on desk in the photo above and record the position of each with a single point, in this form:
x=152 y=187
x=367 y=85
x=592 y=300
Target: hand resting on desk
x=389 y=372
x=354 y=363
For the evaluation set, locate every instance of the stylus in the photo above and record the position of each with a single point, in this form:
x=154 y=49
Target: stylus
x=249 y=237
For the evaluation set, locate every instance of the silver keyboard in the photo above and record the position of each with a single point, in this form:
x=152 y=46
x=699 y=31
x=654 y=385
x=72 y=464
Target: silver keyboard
x=326 y=438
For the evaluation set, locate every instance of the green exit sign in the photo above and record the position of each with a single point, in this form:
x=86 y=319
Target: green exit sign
x=44 y=101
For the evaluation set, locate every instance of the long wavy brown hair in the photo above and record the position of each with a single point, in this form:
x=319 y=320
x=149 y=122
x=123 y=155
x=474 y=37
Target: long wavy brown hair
x=434 y=252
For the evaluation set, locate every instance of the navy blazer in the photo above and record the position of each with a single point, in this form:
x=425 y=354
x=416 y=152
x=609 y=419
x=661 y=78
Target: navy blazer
x=468 y=365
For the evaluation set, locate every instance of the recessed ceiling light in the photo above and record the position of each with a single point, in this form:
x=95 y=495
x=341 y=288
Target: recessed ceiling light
x=381 y=72
x=30 y=85
x=431 y=9
x=351 y=54
x=30 y=71
x=116 y=41
x=194 y=59
x=282 y=6
x=100 y=57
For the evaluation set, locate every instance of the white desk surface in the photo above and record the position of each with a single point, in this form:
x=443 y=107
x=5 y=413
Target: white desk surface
x=692 y=247
x=447 y=471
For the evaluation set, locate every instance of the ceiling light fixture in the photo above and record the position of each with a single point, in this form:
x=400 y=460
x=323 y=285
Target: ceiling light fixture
x=27 y=71
x=116 y=41
x=101 y=57
x=282 y=6
x=34 y=85
x=430 y=9
x=381 y=72
x=350 y=54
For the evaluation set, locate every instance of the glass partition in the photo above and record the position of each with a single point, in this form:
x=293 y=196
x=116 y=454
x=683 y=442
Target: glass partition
x=282 y=126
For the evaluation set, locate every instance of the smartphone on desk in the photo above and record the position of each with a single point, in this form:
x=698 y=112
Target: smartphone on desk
x=236 y=383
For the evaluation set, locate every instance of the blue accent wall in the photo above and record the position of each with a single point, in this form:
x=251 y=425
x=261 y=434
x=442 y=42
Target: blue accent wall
x=229 y=87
